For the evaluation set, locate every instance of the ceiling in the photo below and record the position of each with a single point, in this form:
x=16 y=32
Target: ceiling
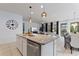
x=55 y=11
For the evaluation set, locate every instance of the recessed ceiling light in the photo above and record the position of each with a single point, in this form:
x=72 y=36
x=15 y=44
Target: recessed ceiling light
x=42 y=6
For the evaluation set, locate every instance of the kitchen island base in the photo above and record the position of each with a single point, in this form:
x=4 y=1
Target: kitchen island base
x=28 y=47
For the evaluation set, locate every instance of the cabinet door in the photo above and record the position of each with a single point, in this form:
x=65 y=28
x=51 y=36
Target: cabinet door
x=17 y=42
x=24 y=47
x=20 y=44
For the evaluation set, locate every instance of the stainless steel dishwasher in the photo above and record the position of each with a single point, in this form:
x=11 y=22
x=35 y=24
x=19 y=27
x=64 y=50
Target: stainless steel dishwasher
x=33 y=49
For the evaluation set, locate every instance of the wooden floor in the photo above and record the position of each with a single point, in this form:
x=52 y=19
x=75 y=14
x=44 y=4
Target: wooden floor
x=9 y=49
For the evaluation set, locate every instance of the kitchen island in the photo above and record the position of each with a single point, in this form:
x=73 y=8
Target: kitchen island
x=36 y=44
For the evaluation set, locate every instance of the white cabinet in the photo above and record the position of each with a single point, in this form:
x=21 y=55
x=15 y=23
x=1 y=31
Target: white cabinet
x=24 y=47
x=21 y=44
x=47 y=49
x=17 y=42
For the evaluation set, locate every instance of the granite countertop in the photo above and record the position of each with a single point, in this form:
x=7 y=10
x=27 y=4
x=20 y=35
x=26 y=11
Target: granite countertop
x=39 y=38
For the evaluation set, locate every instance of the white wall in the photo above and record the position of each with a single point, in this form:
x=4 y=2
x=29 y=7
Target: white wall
x=7 y=35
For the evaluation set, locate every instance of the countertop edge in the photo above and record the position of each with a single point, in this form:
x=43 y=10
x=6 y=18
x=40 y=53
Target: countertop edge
x=36 y=41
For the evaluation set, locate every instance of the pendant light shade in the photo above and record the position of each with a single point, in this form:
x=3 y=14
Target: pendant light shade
x=43 y=14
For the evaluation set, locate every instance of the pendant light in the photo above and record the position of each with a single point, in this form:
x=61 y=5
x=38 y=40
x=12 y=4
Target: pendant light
x=43 y=14
x=30 y=14
x=30 y=21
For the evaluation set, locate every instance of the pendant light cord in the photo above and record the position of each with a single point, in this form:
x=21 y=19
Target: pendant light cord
x=30 y=10
x=44 y=7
